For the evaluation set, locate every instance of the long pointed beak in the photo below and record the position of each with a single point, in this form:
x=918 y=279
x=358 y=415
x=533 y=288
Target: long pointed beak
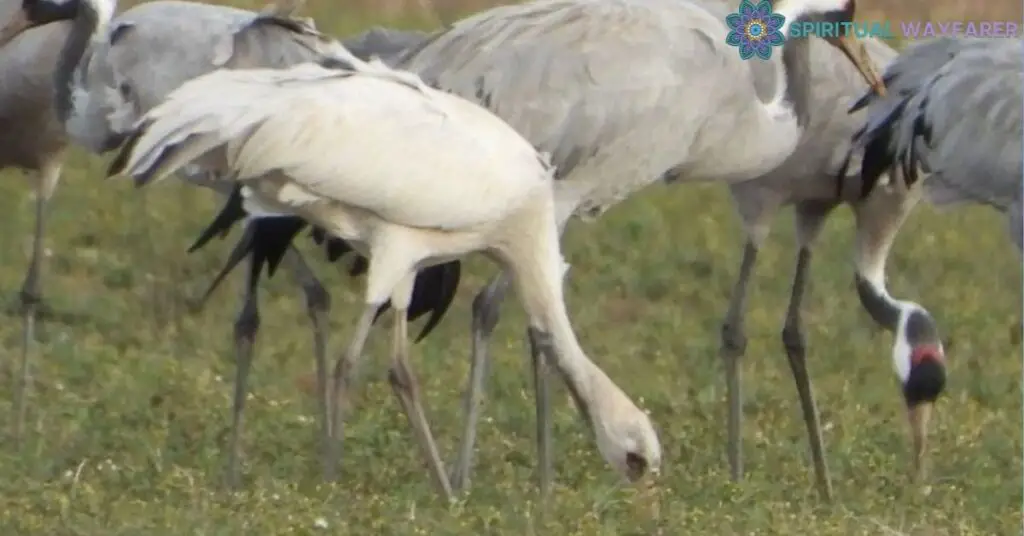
x=919 y=415
x=19 y=23
x=858 y=54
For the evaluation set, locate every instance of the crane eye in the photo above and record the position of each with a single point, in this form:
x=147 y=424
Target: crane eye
x=125 y=90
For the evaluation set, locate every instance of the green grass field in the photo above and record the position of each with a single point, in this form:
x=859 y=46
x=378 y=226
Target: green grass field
x=130 y=406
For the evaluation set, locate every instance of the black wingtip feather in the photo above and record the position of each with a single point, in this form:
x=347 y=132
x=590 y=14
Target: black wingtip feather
x=841 y=176
x=861 y=103
x=441 y=295
x=877 y=160
x=242 y=249
x=273 y=237
x=231 y=213
x=119 y=162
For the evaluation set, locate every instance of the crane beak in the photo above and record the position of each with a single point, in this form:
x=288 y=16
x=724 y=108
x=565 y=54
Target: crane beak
x=919 y=415
x=19 y=23
x=858 y=54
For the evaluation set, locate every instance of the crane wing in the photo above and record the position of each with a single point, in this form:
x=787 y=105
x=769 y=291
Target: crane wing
x=369 y=138
x=954 y=110
x=575 y=77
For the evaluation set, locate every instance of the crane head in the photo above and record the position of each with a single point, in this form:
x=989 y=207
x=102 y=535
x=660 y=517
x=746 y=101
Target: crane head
x=835 y=13
x=924 y=384
x=920 y=362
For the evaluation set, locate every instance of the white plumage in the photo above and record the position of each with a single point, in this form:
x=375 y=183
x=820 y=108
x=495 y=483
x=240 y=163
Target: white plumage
x=409 y=175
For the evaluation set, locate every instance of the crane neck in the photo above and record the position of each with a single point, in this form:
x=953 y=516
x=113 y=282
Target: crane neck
x=85 y=27
x=875 y=300
x=795 y=78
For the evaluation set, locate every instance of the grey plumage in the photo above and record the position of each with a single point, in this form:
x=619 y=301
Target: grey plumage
x=954 y=112
x=384 y=43
x=807 y=182
x=33 y=141
x=615 y=102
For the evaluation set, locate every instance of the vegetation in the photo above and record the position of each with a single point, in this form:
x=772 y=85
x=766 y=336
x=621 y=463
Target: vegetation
x=131 y=397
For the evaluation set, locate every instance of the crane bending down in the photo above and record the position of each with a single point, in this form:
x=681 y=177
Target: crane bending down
x=112 y=69
x=954 y=112
x=313 y=142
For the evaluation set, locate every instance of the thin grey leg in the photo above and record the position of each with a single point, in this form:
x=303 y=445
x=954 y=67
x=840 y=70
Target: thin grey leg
x=344 y=369
x=31 y=300
x=540 y=348
x=486 y=309
x=247 y=325
x=734 y=344
x=406 y=389
x=318 y=304
x=793 y=340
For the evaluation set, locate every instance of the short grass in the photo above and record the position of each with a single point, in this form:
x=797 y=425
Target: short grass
x=130 y=404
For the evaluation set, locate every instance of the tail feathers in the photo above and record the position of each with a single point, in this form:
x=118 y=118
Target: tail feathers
x=433 y=292
x=267 y=240
x=891 y=140
x=232 y=213
x=203 y=114
x=241 y=250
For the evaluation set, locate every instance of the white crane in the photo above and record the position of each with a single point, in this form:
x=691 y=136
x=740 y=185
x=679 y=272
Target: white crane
x=955 y=113
x=314 y=142
x=107 y=71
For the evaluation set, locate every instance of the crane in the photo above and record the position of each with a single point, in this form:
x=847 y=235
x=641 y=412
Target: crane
x=308 y=141
x=613 y=124
x=953 y=111
x=26 y=64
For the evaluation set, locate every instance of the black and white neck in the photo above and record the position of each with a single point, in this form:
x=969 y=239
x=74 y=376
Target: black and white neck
x=917 y=354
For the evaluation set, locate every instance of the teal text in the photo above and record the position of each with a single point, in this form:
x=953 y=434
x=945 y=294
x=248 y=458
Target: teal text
x=881 y=30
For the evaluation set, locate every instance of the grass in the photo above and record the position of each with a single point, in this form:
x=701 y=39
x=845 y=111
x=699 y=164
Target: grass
x=131 y=401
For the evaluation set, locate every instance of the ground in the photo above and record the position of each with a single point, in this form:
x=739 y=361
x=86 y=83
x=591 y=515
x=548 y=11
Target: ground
x=131 y=395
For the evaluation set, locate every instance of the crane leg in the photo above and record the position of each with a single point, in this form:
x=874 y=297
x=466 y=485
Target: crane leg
x=318 y=303
x=540 y=349
x=30 y=297
x=734 y=344
x=246 y=326
x=344 y=370
x=486 y=310
x=793 y=340
x=406 y=388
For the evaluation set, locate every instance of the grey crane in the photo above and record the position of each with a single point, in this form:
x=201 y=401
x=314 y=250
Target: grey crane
x=954 y=112
x=591 y=110
x=104 y=85
x=26 y=66
x=609 y=114
x=805 y=180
